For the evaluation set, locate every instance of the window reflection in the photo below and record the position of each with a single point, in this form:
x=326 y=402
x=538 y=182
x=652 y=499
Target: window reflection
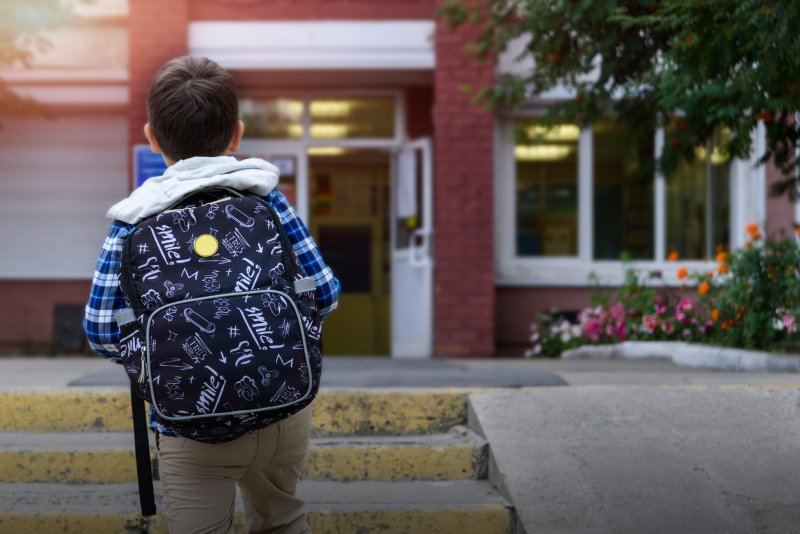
x=698 y=202
x=623 y=193
x=368 y=117
x=547 y=189
x=272 y=118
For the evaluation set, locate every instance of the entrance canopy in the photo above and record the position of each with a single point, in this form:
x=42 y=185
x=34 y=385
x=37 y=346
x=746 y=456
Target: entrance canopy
x=312 y=45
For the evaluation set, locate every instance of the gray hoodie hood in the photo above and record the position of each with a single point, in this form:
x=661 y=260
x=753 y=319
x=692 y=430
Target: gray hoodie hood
x=186 y=176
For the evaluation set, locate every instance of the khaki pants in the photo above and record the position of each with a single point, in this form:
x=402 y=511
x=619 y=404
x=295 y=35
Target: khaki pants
x=199 y=479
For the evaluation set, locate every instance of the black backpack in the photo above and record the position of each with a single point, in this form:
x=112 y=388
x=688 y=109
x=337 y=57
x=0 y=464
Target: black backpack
x=222 y=333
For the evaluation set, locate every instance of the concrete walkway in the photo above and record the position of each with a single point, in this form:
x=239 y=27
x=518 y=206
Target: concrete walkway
x=632 y=459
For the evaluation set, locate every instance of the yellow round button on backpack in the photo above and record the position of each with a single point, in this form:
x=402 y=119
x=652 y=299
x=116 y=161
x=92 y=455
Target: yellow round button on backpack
x=206 y=245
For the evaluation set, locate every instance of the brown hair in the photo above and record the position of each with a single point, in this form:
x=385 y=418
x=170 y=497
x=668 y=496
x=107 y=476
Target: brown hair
x=192 y=108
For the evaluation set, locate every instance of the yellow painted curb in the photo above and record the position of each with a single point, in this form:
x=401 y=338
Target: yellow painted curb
x=488 y=519
x=68 y=467
x=365 y=413
x=378 y=462
x=42 y=411
x=360 y=412
x=382 y=462
x=12 y=523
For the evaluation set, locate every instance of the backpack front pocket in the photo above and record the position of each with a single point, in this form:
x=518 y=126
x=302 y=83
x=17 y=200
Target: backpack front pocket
x=233 y=354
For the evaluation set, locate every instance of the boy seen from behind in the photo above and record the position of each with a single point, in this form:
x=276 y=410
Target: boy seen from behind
x=193 y=122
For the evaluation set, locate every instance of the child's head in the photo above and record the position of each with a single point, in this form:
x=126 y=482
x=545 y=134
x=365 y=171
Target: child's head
x=193 y=110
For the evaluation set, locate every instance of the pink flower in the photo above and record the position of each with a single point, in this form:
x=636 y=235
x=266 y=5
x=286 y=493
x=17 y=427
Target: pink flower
x=617 y=310
x=686 y=333
x=789 y=323
x=685 y=305
x=666 y=327
x=661 y=309
x=682 y=309
x=592 y=329
x=650 y=323
x=621 y=331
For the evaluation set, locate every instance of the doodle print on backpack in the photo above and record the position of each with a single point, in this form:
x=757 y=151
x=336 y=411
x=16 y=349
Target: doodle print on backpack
x=223 y=332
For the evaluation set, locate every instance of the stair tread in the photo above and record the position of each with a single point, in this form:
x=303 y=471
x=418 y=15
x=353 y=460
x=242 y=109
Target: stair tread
x=50 y=498
x=123 y=441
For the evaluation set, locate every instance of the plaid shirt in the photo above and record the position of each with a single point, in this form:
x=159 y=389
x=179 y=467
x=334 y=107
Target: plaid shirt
x=105 y=298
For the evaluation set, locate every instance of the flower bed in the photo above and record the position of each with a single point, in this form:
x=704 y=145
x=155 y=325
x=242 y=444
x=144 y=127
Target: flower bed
x=750 y=300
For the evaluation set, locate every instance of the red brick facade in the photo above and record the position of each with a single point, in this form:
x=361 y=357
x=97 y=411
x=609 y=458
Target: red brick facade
x=29 y=329
x=156 y=35
x=464 y=291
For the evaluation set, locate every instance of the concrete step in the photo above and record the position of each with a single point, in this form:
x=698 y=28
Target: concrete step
x=108 y=457
x=336 y=412
x=465 y=507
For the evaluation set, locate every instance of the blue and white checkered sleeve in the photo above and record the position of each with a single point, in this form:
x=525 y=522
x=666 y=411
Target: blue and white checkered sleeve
x=105 y=297
x=328 y=286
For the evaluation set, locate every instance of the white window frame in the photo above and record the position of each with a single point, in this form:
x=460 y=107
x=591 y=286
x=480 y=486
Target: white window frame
x=748 y=204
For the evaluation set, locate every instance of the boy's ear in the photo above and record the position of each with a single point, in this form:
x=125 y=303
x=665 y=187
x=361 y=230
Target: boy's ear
x=236 y=140
x=148 y=133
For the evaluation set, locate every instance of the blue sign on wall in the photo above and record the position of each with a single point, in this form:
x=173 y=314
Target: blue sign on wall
x=146 y=164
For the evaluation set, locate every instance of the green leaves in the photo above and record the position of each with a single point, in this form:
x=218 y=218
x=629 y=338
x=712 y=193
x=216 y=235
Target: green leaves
x=715 y=63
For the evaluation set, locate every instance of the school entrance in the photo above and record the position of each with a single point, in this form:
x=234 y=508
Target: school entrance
x=365 y=195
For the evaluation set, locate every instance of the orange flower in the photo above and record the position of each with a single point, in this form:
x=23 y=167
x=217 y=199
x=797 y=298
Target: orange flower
x=715 y=314
x=751 y=229
x=722 y=256
x=709 y=275
x=765 y=116
x=756 y=236
x=724 y=325
x=683 y=272
x=703 y=288
x=723 y=268
x=673 y=256
x=720 y=248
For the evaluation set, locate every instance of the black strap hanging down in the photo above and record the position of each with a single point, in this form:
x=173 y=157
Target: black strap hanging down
x=144 y=472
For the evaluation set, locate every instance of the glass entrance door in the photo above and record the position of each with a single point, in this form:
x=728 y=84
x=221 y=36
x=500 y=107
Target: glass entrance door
x=349 y=219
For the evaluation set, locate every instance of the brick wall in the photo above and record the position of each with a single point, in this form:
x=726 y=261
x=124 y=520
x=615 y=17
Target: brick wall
x=464 y=286
x=29 y=329
x=156 y=35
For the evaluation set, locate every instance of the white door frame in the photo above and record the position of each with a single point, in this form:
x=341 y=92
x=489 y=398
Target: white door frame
x=412 y=264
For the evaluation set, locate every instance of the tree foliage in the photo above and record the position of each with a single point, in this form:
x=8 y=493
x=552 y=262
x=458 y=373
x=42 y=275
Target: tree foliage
x=21 y=25
x=693 y=66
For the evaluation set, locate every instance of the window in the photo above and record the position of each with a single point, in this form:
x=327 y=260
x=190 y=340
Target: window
x=272 y=118
x=546 y=163
x=572 y=201
x=698 y=203
x=623 y=194
x=352 y=118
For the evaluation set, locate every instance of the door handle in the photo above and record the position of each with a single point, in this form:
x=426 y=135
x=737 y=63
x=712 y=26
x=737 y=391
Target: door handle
x=418 y=254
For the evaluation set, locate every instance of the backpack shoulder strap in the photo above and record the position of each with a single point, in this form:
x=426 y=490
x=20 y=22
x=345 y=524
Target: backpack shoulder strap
x=144 y=472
